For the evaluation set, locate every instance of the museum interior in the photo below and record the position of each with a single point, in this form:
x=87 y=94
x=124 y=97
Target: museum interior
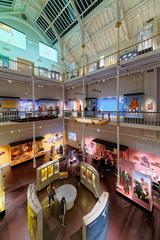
x=79 y=119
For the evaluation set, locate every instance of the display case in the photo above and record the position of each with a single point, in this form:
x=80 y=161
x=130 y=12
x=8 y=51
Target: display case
x=90 y=178
x=22 y=151
x=2 y=193
x=51 y=171
x=34 y=214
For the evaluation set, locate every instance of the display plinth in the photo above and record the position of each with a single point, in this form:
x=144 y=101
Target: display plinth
x=95 y=223
x=2 y=194
x=90 y=178
x=69 y=192
x=34 y=214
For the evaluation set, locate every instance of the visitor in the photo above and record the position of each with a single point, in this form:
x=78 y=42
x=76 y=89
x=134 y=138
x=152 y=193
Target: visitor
x=78 y=179
x=51 y=193
x=85 y=111
x=57 y=110
x=62 y=211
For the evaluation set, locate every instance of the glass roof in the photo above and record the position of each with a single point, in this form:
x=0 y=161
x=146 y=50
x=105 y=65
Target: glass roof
x=60 y=15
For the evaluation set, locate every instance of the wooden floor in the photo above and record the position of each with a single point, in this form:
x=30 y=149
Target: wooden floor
x=127 y=222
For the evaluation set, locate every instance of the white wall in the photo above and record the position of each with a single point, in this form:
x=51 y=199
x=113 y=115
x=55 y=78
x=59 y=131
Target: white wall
x=23 y=131
x=134 y=83
x=131 y=137
x=19 y=89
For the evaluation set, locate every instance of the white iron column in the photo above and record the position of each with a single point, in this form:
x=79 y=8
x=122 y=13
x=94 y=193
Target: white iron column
x=83 y=90
x=63 y=93
x=118 y=24
x=34 y=127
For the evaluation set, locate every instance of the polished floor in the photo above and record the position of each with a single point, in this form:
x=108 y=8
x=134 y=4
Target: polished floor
x=127 y=222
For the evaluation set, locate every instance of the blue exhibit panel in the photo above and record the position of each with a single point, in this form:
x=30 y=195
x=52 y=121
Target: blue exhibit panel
x=97 y=230
x=110 y=104
x=47 y=52
x=12 y=36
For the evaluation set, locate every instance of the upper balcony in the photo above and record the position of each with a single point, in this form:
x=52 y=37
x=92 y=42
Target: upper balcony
x=142 y=55
x=15 y=70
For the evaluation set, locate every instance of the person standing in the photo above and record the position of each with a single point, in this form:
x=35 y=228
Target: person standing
x=51 y=193
x=62 y=211
x=78 y=179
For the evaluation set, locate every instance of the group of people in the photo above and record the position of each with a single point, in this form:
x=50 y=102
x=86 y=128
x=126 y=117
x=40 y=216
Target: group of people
x=62 y=205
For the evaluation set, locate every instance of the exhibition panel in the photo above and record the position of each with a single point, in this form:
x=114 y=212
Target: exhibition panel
x=90 y=178
x=95 y=223
x=34 y=214
x=79 y=116
x=51 y=171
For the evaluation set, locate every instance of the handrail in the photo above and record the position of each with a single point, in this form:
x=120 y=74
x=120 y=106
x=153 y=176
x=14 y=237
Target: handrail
x=114 y=53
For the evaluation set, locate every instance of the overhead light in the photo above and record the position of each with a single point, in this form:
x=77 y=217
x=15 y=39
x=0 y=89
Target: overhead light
x=10 y=81
x=12 y=131
x=104 y=80
x=40 y=86
x=19 y=131
x=98 y=130
x=40 y=126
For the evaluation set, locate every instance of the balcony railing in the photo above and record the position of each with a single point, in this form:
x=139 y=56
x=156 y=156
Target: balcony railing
x=25 y=116
x=128 y=53
x=132 y=118
x=29 y=70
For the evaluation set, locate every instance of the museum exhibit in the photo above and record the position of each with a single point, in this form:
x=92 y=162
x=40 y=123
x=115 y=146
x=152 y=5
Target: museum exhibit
x=79 y=119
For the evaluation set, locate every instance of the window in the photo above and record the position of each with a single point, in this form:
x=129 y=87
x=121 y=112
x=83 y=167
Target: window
x=12 y=36
x=47 y=52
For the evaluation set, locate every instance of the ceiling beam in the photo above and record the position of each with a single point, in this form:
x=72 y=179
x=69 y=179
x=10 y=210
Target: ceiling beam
x=112 y=24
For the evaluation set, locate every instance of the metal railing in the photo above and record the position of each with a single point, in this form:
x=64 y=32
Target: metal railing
x=20 y=116
x=128 y=53
x=29 y=70
x=132 y=118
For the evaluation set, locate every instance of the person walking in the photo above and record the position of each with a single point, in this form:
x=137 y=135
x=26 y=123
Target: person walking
x=51 y=193
x=62 y=211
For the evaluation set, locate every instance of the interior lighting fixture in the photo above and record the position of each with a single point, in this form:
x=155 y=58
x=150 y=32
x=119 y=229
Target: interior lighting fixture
x=40 y=126
x=10 y=81
x=19 y=131
x=12 y=132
